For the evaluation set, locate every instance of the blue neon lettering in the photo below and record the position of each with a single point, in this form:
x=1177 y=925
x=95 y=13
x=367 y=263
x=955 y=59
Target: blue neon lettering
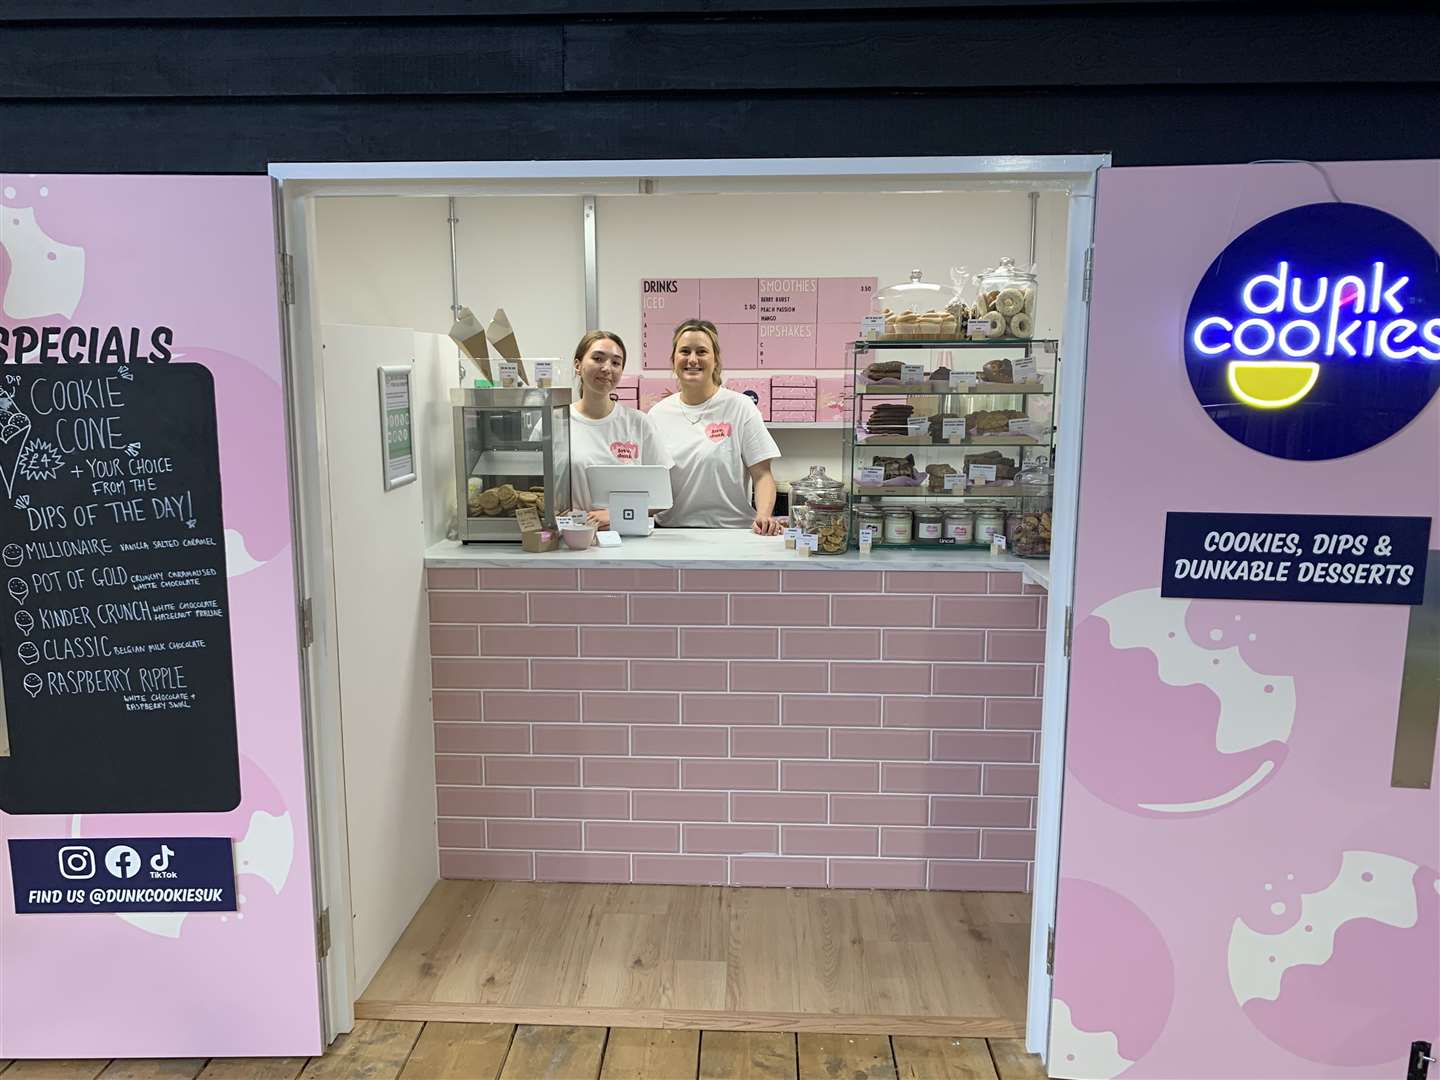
x=1388 y=338
x=1275 y=281
x=1267 y=343
x=1198 y=337
x=1281 y=292
x=1289 y=349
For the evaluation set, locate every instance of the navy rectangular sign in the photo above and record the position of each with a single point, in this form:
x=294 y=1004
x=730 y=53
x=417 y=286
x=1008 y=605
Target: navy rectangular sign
x=1315 y=558
x=186 y=873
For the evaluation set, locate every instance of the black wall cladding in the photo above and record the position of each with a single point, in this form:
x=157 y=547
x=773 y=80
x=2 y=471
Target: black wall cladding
x=213 y=87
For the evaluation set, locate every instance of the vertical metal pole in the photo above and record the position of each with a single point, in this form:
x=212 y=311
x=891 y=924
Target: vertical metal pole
x=592 y=280
x=1034 y=226
x=452 y=221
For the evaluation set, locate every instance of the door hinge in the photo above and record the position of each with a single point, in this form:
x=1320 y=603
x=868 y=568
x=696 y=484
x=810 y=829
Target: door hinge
x=322 y=934
x=1089 y=278
x=1420 y=1059
x=1069 y=628
x=1050 y=951
x=287 y=278
x=307 y=623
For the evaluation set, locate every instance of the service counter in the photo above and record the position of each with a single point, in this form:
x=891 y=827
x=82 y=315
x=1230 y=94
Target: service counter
x=724 y=549
x=703 y=706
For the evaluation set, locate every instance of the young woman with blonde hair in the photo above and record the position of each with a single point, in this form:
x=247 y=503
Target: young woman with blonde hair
x=720 y=444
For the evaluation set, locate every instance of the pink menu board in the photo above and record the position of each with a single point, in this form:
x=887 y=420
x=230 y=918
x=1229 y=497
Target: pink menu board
x=773 y=323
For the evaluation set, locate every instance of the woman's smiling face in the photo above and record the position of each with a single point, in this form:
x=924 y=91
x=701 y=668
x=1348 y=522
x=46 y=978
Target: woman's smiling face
x=601 y=367
x=694 y=359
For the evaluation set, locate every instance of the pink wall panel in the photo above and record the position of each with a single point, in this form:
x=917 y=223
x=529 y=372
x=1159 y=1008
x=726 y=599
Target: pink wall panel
x=1242 y=894
x=196 y=254
x=773 y=750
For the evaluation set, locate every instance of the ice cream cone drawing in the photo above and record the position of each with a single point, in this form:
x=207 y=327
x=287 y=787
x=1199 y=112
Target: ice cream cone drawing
x=14 y=435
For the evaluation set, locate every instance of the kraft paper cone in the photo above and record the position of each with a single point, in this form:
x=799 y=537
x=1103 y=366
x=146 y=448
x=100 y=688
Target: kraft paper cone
x=470 y=336
x=502 y=336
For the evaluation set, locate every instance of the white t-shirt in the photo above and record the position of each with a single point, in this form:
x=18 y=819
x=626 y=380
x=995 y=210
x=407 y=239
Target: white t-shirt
x=713 y=446
x=625 y=437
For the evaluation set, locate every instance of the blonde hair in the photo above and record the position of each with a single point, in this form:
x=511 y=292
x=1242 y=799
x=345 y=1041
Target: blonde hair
x=706 y=327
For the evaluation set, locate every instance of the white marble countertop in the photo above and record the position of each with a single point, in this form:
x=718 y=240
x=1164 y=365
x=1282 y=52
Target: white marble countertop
x=730 y=549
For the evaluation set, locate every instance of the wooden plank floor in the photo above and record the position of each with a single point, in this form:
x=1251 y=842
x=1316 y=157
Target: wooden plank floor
x=702 y=958
x=408 y=1050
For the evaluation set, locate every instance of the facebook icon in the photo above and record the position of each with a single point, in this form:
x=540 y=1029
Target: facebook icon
x=122 y=861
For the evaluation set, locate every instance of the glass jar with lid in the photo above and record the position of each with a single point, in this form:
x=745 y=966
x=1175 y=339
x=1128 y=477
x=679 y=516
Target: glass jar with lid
x=959 y=526
x=872 y=518
x=919 y=309
x=929 y=525
x=1006 y=302
x=830 y=524
x=815 y=486
x=899 y=525
x=989 y=520
x=1028 y=533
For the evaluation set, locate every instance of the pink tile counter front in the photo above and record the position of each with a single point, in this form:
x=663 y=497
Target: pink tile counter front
x=698 y=708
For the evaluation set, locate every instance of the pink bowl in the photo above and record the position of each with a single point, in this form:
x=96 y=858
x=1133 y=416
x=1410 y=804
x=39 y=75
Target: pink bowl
x=578 y=539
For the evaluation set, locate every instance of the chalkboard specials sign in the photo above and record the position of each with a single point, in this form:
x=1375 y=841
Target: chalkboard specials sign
x=1320 y=558
x=114 y=622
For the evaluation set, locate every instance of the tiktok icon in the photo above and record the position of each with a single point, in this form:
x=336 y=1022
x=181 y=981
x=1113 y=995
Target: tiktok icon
x=160 y=864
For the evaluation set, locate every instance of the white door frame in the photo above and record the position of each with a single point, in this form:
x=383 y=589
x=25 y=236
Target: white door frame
x=301 y=183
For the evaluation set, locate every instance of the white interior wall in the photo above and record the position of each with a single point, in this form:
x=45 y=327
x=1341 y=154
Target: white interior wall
x=436 y=371
x=383 y=648
x=386 y=260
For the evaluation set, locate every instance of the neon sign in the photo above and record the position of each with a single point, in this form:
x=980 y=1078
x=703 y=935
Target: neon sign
x=1316 y=333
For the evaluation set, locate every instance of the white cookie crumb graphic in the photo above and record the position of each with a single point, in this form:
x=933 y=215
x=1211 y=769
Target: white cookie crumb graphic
x=1277 y=908
x=44 y=192
x=1216 y=634
x=1269 y=887
x=9 y=192
x=1252 y=637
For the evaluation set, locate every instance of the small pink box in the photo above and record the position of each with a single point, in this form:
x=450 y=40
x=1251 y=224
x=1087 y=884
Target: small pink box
x=757 y=390
x=652 y=390
x=845 y=300
x=793 y=397
x=793 y=380
x=792 y=415
x=728 y=300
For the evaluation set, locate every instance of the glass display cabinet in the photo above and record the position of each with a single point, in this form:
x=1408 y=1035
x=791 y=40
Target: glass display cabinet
x=512 y=450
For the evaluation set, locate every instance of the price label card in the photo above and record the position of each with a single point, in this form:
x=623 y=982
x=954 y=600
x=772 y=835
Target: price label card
x=872 y=476
x=1023 y=426
x=997 y=542
x=981 y=474
x=809 y=540
x=977 y=328
x=871 y=325
x=952 y=427
x=528 y=518
x=867 y=534
x=509 y=373
x=954 y=481
x=790 y=533
x=544 y=372
x=912 y=374
x=918 y=425
x=1025 y=370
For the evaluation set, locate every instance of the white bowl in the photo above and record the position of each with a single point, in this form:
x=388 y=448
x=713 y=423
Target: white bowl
x=578 y=539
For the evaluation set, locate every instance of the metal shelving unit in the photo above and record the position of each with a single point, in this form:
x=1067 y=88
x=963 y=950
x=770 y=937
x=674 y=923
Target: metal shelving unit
x=958 y=396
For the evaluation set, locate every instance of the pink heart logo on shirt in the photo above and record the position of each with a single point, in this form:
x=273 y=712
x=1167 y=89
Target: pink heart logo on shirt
x=625 y=451
x=717 y=432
